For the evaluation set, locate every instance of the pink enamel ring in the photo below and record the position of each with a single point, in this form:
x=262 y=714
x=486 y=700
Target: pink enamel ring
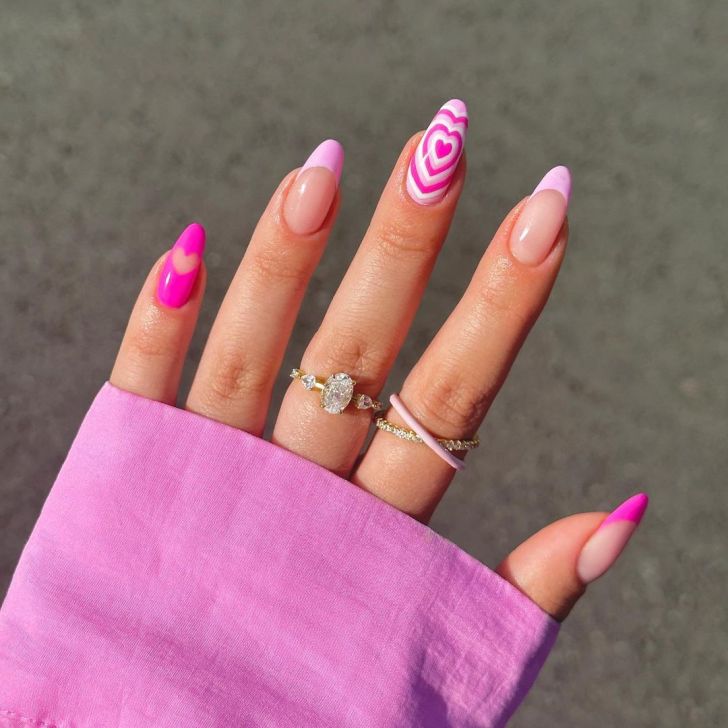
x=442 y=447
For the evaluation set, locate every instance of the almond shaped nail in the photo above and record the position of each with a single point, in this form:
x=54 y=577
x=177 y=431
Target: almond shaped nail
x=309 y=198
x=436 y=158
x=182 y=267
x=537 y=228
x=609 y=540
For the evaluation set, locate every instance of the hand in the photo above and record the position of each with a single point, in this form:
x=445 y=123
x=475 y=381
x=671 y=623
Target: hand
x=450 y=388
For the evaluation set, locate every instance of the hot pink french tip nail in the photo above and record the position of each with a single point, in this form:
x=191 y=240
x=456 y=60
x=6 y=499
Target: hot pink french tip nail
x=328 y=154
x=182 y=267
x=537 y=227
x=609 y=540
x=436 y=158
x=633 y=509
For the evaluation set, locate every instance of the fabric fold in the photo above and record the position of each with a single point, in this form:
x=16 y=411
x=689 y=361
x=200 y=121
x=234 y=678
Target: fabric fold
x=184 y=573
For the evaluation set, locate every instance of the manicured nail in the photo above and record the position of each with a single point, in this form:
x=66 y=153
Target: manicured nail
x=538 y=225
x=608 y=541
x=181 y=267
x=436 y=158
x=309 y=199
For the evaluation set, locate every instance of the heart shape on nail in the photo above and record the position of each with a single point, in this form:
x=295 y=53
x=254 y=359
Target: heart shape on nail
x=184 y=262
x=442 y=149
x=435 y=159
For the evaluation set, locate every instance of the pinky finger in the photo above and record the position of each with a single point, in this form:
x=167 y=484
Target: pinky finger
x=155 y=344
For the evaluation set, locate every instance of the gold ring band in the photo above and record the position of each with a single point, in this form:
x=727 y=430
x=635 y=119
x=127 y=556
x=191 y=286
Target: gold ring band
x=403 y=433
x=337 y=391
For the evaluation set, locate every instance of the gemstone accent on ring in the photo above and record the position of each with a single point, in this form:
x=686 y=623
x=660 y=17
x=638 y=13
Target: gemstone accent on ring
x=309 y=381
x=363 y=401
x=337 y=393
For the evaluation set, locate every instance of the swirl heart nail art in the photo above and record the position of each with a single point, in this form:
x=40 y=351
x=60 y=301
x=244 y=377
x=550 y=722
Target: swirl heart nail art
x=434 y=162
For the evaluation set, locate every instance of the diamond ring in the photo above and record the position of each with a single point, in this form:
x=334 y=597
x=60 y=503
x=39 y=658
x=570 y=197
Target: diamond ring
x=337 y=391
x=403 y=433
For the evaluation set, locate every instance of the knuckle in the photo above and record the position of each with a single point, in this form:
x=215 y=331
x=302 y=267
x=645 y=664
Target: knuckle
x=399 y=240
x=276 y=264
x=234 y=377
x=453 y=405
x=342 y=350
x=149 y=343
x=496 y=303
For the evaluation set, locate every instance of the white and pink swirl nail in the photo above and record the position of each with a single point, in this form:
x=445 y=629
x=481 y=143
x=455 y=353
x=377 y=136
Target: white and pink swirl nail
x=436 y=158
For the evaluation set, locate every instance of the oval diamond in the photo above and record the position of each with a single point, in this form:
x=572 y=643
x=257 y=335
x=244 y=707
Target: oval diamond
x=337 y=393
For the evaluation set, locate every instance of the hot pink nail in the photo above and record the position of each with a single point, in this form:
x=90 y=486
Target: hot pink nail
x=313 y=191
x=435 y=160
x=609 y=540
x=181 y=267
x=538 y=225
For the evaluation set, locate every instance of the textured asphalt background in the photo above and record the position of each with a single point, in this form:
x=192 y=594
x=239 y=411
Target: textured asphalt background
x=120 y=122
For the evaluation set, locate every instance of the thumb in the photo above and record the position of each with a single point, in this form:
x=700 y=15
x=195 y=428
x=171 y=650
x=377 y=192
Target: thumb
x=554 y=566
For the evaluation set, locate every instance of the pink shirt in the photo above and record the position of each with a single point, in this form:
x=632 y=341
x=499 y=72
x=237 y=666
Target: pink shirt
x=184 y=573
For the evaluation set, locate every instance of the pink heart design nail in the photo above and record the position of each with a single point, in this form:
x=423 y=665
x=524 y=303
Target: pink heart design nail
x=184 y=262
x=442 y=148
x=435 y=159
x=181 y=267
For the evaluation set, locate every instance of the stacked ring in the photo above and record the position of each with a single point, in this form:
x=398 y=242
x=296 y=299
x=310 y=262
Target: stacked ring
x=437 y=445
x=404 y=433
x=337 y=392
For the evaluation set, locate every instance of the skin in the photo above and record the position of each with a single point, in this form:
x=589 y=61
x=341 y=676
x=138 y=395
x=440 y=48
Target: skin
x=362 y=333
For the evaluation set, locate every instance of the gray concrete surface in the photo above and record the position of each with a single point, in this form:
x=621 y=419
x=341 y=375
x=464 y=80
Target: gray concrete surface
x=119 y=122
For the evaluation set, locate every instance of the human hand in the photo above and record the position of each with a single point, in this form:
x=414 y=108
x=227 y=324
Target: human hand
x=450 y=388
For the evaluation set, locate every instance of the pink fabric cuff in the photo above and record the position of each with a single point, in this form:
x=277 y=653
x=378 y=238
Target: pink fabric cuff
x=184 y=573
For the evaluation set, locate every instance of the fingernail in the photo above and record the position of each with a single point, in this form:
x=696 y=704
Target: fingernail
x=538 y=225
x=311 y=194
x=436 y=158
x=607 y=543
x=181 y=267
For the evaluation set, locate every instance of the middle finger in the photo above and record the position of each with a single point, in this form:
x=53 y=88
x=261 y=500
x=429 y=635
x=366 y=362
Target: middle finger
x=373 y=308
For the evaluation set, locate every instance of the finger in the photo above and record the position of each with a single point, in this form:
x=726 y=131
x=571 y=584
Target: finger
x=555 y=565
x=373 y=308
x=155 y=344
x=452 y=386
x=240 y=362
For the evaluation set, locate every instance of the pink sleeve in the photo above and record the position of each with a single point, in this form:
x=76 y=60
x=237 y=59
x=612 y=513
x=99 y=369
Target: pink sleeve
x=183 y=573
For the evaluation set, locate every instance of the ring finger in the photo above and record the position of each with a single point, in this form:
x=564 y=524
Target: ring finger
x=452 y=386
x=371 y=312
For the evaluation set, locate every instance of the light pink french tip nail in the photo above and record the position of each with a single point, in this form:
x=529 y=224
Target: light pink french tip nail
x=537 y=228
x=609 y=540
x=328 y=154
x=436 y=158
x=181 y=267
x=559 y=179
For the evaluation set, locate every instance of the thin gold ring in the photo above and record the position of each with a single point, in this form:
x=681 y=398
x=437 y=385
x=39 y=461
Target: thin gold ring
x=404 y=433
x=337 y=391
